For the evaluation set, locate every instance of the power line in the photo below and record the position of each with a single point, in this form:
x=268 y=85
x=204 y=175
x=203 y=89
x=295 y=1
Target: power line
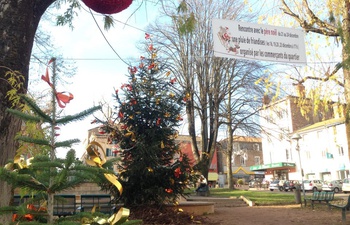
x=107 y=40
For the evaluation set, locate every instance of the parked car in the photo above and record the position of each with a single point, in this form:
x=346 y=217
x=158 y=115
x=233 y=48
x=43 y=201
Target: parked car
x=276 y=185
x=312 y=185
x=346 y=185
x=254 y=183
x=332 y=185
x=290 y=185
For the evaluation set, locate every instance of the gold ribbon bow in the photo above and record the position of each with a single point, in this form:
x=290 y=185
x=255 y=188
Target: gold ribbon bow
x=96 y=160
x=18 y=161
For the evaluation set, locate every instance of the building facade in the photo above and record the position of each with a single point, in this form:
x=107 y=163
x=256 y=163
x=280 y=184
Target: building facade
x=321 y=150
x=247 y=152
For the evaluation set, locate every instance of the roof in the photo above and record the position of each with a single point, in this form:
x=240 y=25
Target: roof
x=246 y=139
x=322 y=124
x=278 y=101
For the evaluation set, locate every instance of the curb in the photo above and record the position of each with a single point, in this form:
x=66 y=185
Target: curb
x=247 y=201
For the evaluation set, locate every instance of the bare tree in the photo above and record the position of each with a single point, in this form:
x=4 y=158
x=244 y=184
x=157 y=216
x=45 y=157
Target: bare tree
x=187 y=41
x=239 y=109
x=334 y=22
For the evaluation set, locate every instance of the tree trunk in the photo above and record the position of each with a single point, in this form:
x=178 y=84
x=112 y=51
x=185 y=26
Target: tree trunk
x=230 y=141
x=229 y=154
x=191 y=127
x=346 y=70
x=18 y=23
x=9 y=125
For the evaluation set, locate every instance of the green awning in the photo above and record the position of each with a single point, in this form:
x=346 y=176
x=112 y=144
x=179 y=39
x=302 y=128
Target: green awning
x=272 y=165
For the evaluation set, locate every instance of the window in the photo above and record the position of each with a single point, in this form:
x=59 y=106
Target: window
x=256 y=147
x=279 y=114
x=233 y=160
x=326 y=154
x=308 y=154
x=108 y=152
x=257 y=160
x=243 y=146
x=319 y=134
x=242 y=161
x=287 y=154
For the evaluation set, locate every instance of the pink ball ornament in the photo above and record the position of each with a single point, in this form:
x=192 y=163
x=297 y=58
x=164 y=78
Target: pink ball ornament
x=107 y=6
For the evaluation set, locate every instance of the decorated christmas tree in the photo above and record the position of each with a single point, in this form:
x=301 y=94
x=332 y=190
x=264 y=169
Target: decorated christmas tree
x=153 y=171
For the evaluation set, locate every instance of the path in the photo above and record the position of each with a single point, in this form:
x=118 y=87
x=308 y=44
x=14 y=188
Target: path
x=283 y=215
x=237 y=214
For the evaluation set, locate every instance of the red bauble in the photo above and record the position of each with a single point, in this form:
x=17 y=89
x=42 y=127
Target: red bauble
x=107 y=6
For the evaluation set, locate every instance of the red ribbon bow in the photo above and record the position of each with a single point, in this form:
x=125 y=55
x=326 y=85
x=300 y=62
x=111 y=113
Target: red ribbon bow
x=63 y=98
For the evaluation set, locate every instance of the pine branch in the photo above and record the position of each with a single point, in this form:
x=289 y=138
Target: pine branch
x=21 y=180
x=24 y=116
x=33 y=140
x=36 y=109
x=88 y=169
x=70 y=159
x=67 y=143
x=7 y=209
x=79 y=116
x=91 y=173
x=46 y=164
x=30 y=183
x=108 y=22
x=75 y=175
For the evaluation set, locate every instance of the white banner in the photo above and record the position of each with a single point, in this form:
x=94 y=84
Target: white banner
x=234 y=39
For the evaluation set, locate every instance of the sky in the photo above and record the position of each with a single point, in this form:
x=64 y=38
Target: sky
x=99 y=69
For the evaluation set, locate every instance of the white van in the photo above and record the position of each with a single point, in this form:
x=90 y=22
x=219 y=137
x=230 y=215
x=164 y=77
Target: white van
x=346 y=185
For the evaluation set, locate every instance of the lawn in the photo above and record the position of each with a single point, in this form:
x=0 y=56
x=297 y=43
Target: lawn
x=260 y=198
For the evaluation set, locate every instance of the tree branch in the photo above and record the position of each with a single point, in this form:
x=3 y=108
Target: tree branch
x=327 y=77
x=309 y=26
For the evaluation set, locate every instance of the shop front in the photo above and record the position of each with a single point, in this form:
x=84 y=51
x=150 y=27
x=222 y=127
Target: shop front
x=277 y=171
x=243 y=173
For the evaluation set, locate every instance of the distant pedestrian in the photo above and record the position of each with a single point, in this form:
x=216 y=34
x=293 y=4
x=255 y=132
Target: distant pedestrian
x=202 y=182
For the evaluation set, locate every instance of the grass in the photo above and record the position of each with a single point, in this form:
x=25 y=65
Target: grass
x=260 y=198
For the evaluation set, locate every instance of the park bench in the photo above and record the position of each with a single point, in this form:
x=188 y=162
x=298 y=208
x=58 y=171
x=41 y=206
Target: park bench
x=28 y=199
x=64 y=205
x=343 y=208
x=203 y=191
x=100 y=203
x=314 y=196
x=323 y=196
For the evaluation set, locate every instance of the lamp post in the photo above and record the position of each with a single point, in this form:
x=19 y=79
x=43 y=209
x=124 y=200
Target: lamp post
x=297 y=137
